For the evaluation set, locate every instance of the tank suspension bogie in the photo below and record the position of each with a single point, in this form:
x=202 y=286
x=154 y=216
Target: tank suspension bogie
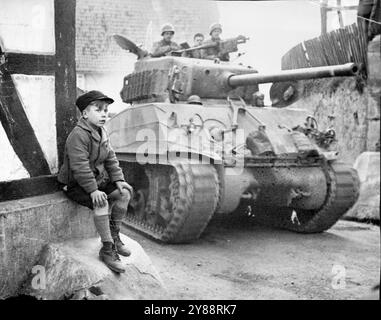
x=176 y=202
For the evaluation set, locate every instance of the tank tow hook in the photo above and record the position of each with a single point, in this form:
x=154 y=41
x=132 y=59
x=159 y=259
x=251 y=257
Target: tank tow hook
x=250 y=196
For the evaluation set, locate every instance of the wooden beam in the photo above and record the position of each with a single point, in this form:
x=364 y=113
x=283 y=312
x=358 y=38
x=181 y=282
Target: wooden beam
x=65 y=82
x=18 y=189
x=341 y=8
x=323 y=17
x=30 y=64
x=340 y=15
x=18 y=128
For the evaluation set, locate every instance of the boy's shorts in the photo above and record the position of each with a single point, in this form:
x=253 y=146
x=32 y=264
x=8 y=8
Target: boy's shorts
x=79 y=195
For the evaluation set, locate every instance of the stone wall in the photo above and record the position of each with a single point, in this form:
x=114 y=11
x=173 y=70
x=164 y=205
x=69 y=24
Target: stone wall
x=347 y=106
x=350 y=105
x=27 y=225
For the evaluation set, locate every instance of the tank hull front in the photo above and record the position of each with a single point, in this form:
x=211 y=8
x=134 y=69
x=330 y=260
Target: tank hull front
x=189 y=162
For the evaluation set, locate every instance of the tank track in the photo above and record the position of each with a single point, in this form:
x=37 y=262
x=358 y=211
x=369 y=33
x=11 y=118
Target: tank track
x=192 y=200
x=343 y=192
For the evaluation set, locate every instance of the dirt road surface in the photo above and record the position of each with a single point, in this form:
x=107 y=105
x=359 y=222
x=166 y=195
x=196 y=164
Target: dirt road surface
x=241 y=260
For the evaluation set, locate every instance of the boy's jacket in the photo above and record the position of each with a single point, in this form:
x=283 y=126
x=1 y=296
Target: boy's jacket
x=89 y=159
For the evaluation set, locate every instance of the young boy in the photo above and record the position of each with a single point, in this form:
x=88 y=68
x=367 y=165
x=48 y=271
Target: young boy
x=93 y=178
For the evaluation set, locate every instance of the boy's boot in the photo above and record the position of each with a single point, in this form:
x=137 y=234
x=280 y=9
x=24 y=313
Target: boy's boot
x=121 y=248
x=110 y=257
x=117 y=211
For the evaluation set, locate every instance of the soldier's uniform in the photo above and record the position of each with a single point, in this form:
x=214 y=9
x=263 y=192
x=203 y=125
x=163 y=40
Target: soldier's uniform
x=214 y=53
x=163 y=48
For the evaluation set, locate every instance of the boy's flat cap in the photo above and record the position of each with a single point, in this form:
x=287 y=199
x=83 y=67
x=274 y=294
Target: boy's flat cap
x=84 y=100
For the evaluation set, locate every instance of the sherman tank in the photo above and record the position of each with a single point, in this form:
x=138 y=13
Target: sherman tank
x=193 y=144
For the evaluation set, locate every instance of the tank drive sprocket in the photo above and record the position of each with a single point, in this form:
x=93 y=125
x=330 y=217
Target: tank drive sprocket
x=176 y=202
x=343 y=191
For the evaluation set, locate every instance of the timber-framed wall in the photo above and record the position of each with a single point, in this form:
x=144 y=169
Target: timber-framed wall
x=29 y=137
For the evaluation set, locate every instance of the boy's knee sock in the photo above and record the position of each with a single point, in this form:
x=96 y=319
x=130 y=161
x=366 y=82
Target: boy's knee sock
x=115 y=222
x=119 y=209
x=102 y=224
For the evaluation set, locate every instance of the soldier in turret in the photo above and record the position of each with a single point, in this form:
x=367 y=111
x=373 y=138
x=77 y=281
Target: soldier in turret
x=199 y=53
x=219 y=49
x=214 y=52
x=165 y=46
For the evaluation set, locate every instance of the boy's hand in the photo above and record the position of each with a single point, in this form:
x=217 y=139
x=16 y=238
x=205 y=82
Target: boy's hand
x=99 y=198
x=124 y=185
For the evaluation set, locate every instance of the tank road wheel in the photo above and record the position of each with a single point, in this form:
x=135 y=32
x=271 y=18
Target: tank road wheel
x=176 y=203
x=343 y=192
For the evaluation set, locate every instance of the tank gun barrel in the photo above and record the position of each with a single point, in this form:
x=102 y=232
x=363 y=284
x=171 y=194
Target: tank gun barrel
x=341 y=70
x=203 y=46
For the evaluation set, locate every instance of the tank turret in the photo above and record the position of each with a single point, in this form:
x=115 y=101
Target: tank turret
x=176 y=78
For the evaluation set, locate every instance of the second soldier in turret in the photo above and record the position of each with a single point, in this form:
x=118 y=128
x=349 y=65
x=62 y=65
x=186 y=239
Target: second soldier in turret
x=214 y=52
x=165 y=46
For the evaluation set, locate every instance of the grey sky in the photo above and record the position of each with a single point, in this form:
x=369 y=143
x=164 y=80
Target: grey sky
x=274 y=27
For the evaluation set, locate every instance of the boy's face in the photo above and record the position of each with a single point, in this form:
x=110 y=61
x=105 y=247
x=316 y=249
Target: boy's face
x=198 y=40
x=96 y=113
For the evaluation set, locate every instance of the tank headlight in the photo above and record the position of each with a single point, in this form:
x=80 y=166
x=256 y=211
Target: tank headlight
x=191 y=127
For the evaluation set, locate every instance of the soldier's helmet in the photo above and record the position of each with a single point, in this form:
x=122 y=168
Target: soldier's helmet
x=167 y=28
x=194 y=99
x=215 y=26
x=258 y=99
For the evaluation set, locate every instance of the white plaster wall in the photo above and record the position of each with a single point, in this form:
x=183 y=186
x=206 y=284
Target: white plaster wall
x=27 y=26
x=110 y=84
x=11 y=167
x=37 y=94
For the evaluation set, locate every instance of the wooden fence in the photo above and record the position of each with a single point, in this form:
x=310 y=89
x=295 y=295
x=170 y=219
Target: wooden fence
x=340 y=46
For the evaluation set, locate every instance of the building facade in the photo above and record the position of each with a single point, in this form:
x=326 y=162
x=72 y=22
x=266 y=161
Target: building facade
x=101 y=63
